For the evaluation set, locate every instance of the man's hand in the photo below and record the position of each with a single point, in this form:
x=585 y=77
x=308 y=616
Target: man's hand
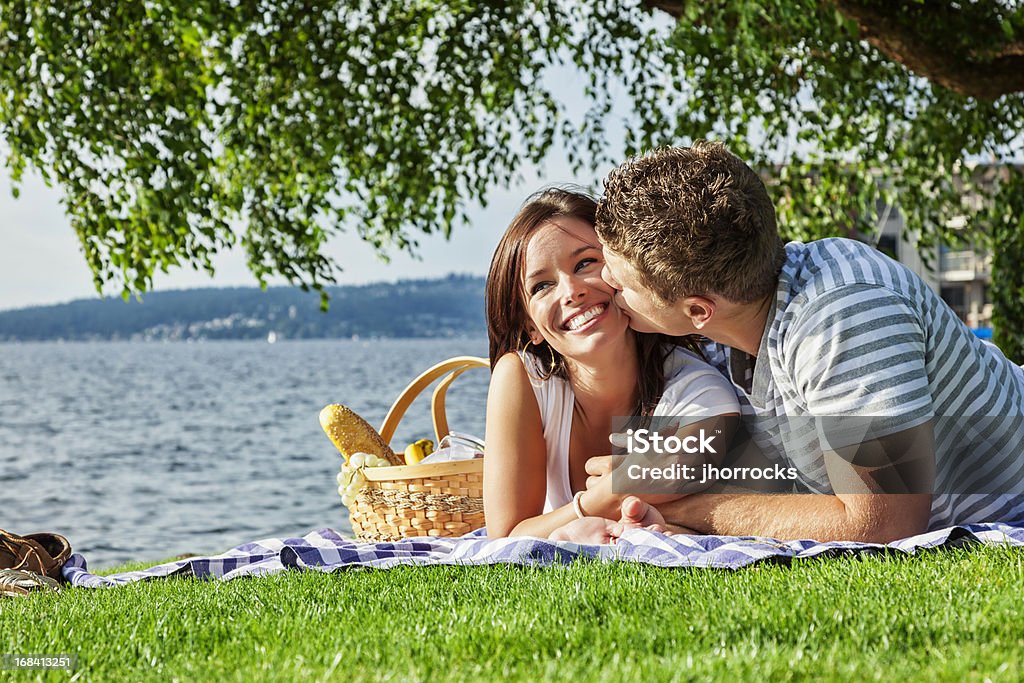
x=637 y=512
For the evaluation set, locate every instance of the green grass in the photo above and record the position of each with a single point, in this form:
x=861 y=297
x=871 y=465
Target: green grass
x=949 y=615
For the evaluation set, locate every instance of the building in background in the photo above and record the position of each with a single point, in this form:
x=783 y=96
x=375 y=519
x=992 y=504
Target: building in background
x=961 y=275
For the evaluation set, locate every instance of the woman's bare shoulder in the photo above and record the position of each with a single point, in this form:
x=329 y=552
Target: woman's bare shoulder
x=509 y=367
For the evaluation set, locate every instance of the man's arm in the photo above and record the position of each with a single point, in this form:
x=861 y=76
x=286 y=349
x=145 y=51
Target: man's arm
x=870 y=518
x=882 y=492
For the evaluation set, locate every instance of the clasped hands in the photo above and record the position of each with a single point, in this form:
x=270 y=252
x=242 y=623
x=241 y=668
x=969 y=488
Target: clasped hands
x=598 y=528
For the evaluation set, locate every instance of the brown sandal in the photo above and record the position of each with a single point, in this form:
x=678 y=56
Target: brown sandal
x=19 y=583
x=37 y=553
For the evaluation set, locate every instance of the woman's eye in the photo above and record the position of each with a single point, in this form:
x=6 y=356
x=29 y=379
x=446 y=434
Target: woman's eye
x=540 y=286
x=584 y=263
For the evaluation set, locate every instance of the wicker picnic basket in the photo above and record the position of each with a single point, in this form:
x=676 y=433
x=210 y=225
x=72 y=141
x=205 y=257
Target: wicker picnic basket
x=436 y=499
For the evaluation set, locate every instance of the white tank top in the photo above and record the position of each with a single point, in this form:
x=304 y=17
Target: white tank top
x=692 y=389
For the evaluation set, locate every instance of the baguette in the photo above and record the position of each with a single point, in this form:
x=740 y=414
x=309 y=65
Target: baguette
x=352 y=434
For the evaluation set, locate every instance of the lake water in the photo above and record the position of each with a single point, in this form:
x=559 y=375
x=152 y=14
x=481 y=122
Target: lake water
x=144 y=451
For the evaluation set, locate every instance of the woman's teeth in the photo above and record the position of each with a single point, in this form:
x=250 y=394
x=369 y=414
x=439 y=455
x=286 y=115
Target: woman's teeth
x=585 y=317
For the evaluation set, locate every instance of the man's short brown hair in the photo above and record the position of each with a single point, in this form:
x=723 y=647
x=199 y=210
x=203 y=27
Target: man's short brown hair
x=693 y=221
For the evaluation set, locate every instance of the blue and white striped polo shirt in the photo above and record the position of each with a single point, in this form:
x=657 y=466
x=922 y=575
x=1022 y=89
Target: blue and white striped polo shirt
x=854 y=333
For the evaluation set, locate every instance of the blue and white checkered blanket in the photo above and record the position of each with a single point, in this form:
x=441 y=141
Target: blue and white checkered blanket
x=326 y=551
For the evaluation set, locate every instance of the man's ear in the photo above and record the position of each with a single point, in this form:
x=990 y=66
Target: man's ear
x=699 y=309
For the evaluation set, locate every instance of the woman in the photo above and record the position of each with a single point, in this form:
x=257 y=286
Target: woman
x=564 y=363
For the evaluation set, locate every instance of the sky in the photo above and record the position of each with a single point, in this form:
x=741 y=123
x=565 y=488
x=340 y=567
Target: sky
x=41 y=263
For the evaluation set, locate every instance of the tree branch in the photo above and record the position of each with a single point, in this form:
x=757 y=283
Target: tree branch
x=957 y=48
x=963 y=47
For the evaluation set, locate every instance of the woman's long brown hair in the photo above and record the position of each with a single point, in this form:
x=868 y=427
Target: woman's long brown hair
x=506 y=309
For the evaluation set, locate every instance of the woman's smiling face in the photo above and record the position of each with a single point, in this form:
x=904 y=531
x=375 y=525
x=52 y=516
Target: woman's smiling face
x=568 y=303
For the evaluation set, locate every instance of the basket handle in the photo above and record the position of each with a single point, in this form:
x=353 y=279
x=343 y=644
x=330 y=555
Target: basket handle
x=454 y=367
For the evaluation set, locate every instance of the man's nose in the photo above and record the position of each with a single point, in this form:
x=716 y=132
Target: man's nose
x=606 y=275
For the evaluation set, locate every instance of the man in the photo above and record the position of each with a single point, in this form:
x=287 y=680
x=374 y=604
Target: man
x=818 y=330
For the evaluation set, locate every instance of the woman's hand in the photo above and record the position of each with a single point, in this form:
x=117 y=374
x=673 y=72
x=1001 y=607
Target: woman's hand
x=587 y=531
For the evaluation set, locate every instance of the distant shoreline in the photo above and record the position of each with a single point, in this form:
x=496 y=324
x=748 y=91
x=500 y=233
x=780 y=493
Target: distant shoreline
x=443 y=308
